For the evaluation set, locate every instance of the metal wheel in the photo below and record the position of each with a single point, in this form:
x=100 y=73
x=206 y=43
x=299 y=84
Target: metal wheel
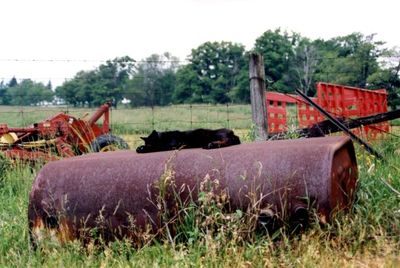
x=108 y=142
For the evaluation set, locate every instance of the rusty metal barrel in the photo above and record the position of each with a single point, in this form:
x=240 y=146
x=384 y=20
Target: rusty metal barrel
x=122 y=193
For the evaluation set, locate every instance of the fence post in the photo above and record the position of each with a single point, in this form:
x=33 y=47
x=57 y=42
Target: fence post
x=152 y=117
x=191 y=116
x=227 y=114
x=257 y=96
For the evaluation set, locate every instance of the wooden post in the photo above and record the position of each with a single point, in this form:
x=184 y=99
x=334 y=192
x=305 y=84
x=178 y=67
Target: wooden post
x=257 y=96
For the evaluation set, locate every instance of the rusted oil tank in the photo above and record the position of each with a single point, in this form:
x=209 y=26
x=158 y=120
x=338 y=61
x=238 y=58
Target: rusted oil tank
x=121 y=193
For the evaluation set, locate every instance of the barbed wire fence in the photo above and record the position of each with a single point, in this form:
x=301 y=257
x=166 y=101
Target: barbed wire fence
x=135 y=122
x=132 y=123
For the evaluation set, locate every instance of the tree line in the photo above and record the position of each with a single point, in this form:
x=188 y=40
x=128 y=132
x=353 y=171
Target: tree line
x=217 y=72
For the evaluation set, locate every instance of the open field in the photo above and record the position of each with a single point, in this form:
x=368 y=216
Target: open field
x=133 y=123
x=369 y=236
x=142 y=120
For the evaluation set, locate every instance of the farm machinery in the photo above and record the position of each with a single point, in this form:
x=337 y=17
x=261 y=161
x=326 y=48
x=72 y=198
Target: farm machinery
x=60 y=136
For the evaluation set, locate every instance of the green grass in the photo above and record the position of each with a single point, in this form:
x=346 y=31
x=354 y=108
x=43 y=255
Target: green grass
x=395 y=122
x=133 y=123
x=368 y=236
x=142 y=120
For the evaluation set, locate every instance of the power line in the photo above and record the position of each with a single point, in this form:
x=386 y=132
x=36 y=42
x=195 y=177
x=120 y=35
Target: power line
x=55 y=60
x=34 y=78
x=86 y=60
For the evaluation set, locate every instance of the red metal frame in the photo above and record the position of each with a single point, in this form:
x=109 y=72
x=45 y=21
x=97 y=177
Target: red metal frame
x=338 y=100
x=60 y=136
x=352 y=102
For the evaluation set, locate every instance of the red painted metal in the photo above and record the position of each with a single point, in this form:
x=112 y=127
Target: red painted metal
x=60 y=136
x=277 y=111
x=102 y=111
x=352 y=102
x=277 y=105
x=338 y=100
x=122 y=193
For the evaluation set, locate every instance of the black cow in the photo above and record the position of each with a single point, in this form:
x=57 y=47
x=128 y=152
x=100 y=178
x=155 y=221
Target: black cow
x=198 y=138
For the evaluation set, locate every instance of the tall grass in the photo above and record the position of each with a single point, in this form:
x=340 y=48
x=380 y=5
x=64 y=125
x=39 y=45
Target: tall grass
x=368 y=236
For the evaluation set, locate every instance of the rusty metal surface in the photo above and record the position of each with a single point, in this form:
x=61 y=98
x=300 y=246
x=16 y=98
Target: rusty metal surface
x=115 y=190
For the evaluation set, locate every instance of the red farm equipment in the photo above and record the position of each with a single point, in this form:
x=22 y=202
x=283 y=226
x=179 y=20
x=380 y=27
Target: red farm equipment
x=60 y=136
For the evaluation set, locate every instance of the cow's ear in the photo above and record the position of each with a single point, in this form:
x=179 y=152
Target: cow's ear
x=144 y=138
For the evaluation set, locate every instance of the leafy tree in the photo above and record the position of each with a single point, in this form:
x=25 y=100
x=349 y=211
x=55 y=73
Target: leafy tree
x=69 y=90
x=49 y=85
x=240 y=93
x=211 y=74
x=4 y=91
x=292 y=61
x=388 y=77
x=136 y=93
x=80 y=89
x=3 y=94
x=97 y=86
x=39 y=93
x=187 y=84
x=154 y=81
x=348 y=60
x=28 y=92
x=278 y=50
x=13 y=82
x=111 y=79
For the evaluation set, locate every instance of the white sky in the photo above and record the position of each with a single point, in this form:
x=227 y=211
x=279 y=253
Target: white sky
x=101 y=30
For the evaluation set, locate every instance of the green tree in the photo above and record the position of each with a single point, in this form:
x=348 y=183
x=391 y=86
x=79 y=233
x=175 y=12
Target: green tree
x=240 y=93
x=105 y=83
x=348 y=60
x=154 y=81
x=212 y=73
x=388 y=77
x=69 y=90
x=49 y=85
x=13 y=82
x=111 y=79
x=28 y=92
x=278 y=50
x=3 y=94
x=187 y=86
x=79 y=90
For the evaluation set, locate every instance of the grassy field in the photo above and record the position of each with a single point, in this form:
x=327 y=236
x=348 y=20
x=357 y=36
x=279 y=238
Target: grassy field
x=133 y=123
x=142 y=120
x=369 y=236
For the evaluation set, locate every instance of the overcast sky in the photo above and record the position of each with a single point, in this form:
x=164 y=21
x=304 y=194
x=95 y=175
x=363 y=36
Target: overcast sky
x=95 y=30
